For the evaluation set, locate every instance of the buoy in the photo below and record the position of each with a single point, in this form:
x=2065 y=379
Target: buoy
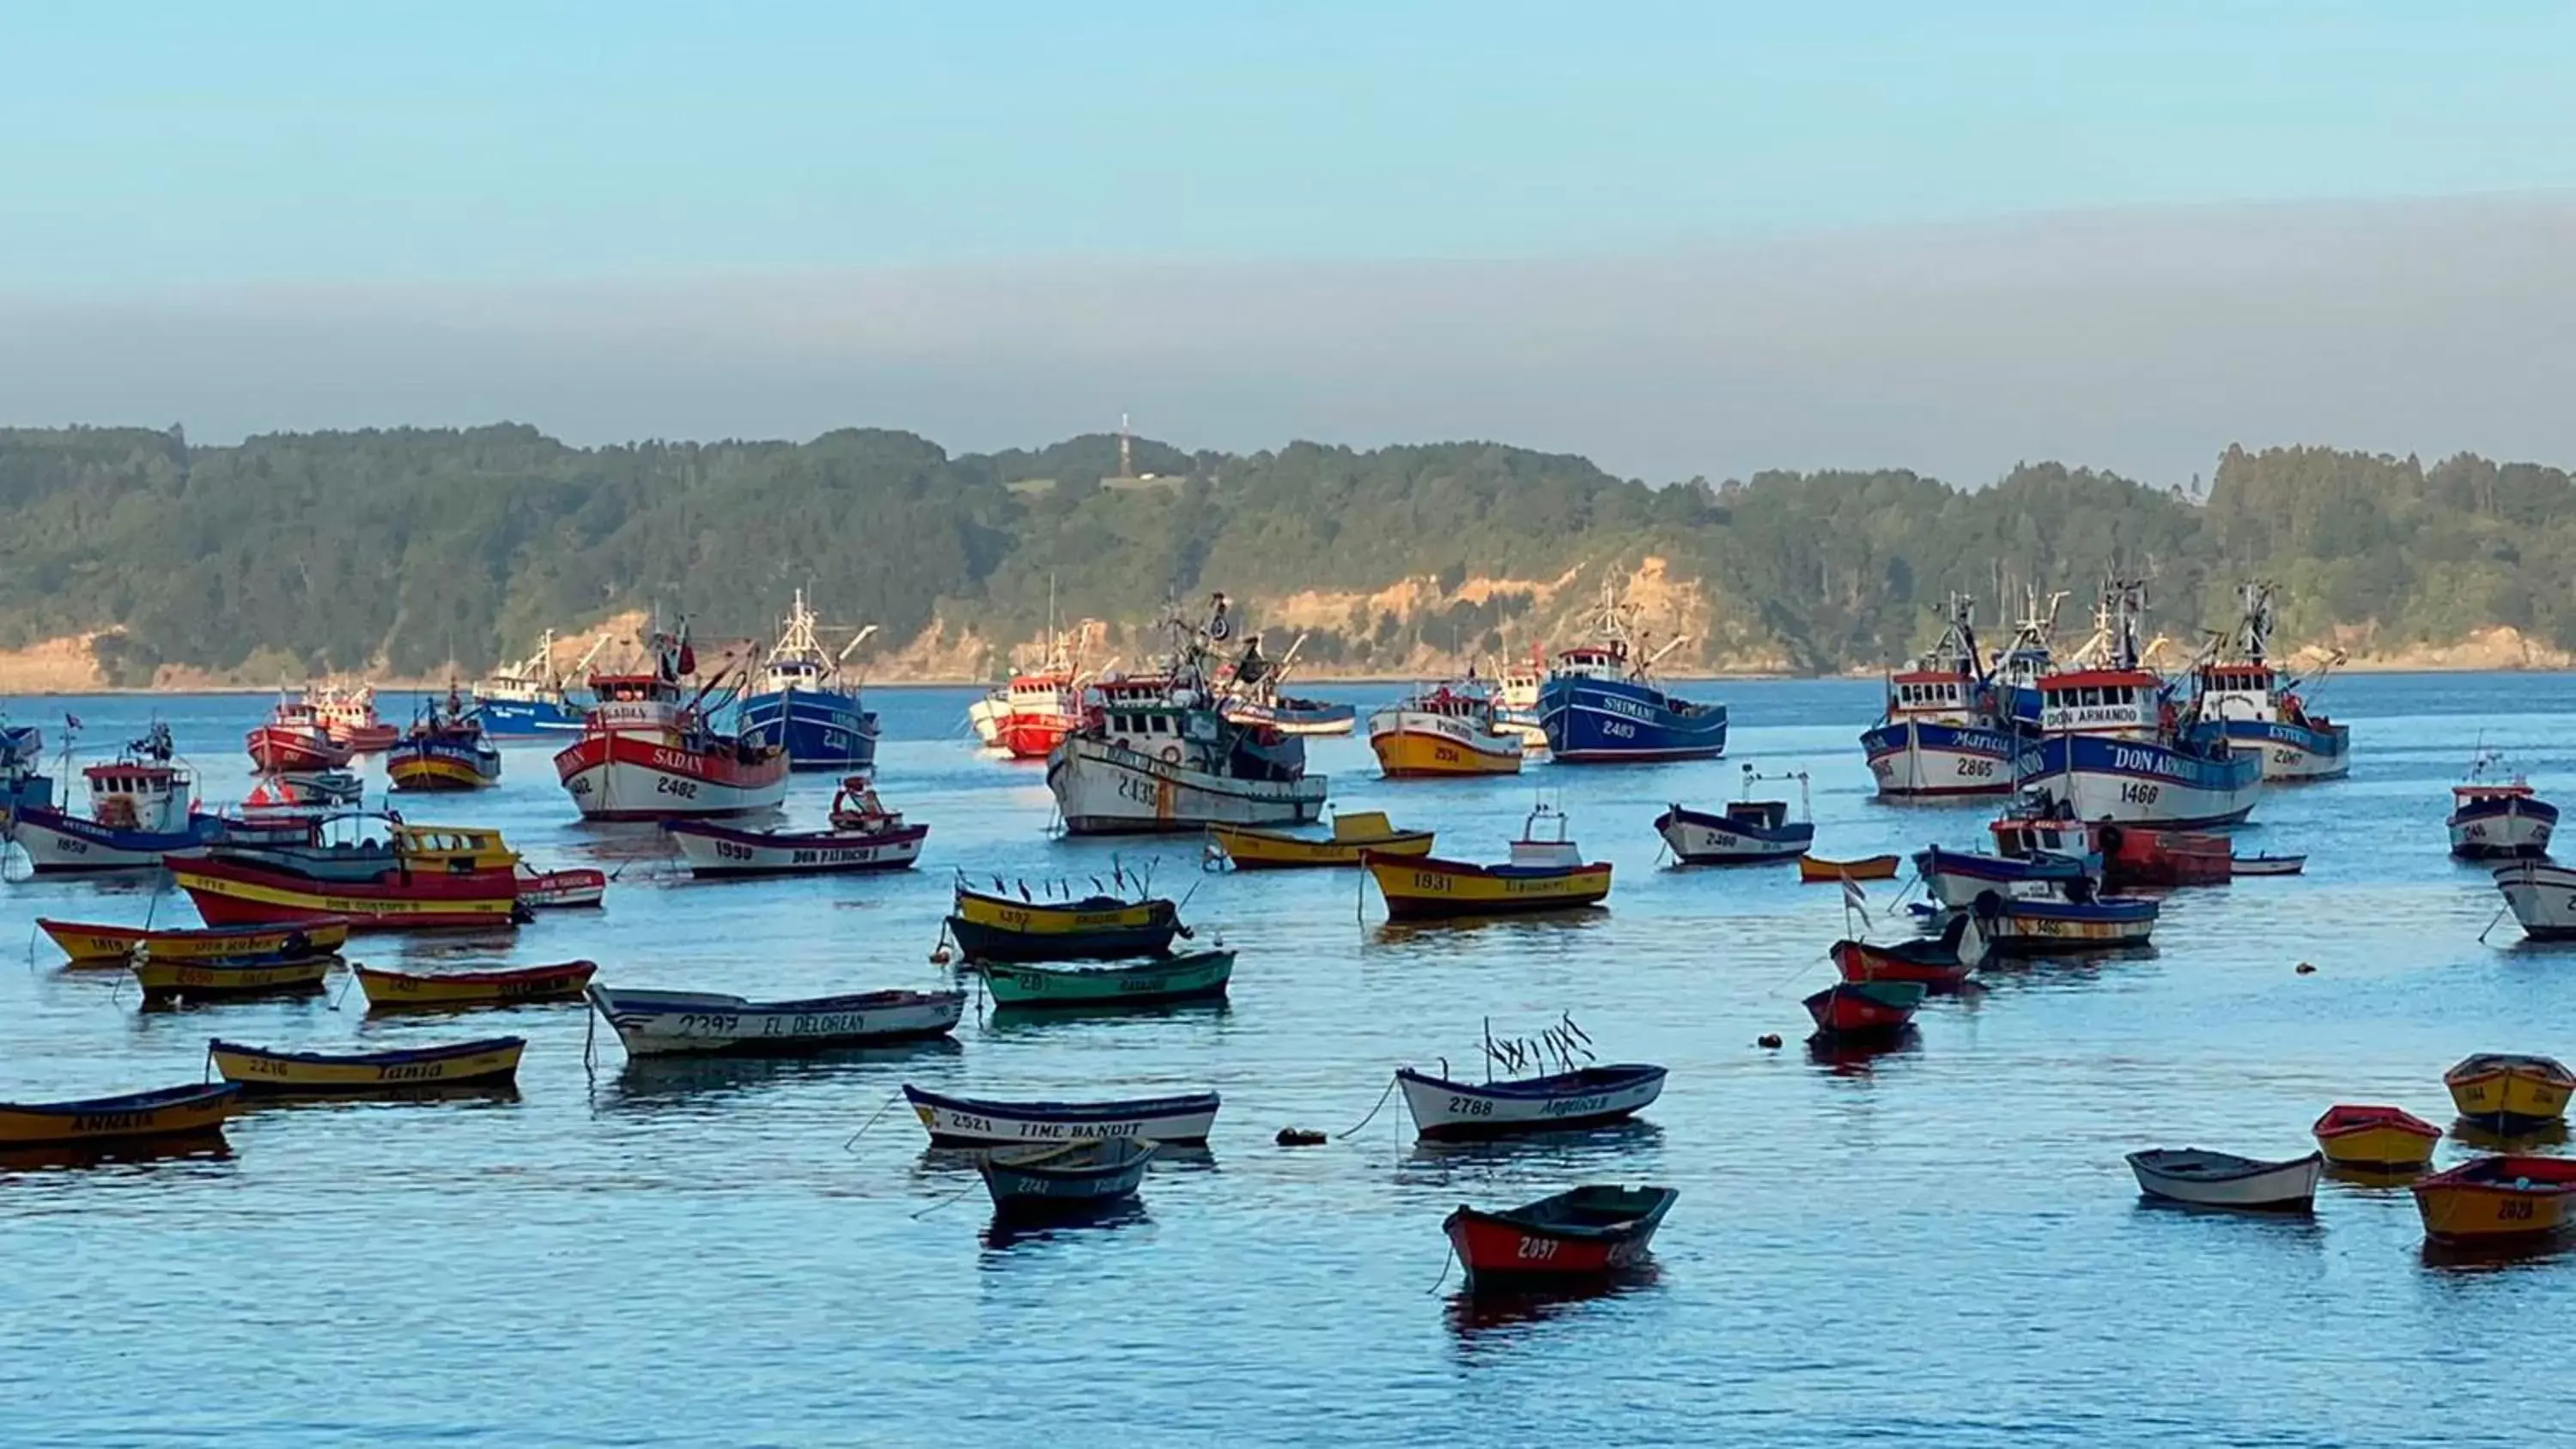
x=1768 y=1041
x=1300 y=1137
x=939 y=956
x=2307 y=970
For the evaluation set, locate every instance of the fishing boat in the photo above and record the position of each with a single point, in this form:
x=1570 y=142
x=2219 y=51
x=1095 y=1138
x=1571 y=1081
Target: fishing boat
x=1954 y=723
x=1585 y=1097
x=1813 y=869
x=294 y=741
x=990 y=926
x=1190 y=976
x=1066 y=1179
x=1592 y=1231
x=663 y=1023
x=199 y=1107
x=1518 y=685
x=1250 y=693
x=1542 y=875
x=2541 y=897
x=280 y=975
x=1447 y=729
x=142 y=807
x=304 y=794
x=1751 y=832
x=2019 y=927
x=2260 y=710
x=2375 y=1138
x=23 y=782
x=2495 y=815
x=804 y=705
x=1029 y=715
x=865 y=836
x=348 y=715
x=1956 y=878
x=1156 y=754
x=2116 y=747
x=571 y=888
x=508 y=987
x=2510 y=1093
x=412 y=877
x=2266 y=865
x=1600 y=704
x=2038 y=827
x=1934 y=963
x=90 y=944
x=493 y=1062
x=1355 y=833
x=1865 y=1008
x=444 y=751
x=2223 y=1180
x=645 y=755
x=2497 y=1200
x=1182 y=1121
x=531 y=697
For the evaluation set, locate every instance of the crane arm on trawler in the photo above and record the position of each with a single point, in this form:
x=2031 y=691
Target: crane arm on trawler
x=852 y=647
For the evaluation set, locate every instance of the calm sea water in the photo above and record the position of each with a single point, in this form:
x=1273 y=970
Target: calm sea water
x=1941 y=1246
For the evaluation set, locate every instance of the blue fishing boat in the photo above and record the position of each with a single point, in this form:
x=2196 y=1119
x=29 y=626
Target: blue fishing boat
x=2116 y=747
x=803 y=705
x=2003 y=927
x=532 y=697
x=22 y=749
x=1600 y=705
x=1065 y=1179
x=1751 y=832
x=142 y=809
x=1955 y=722
x=2261 y=710
x=1956 y=878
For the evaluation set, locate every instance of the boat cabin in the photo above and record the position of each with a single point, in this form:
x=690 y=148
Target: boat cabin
x=1593 y=661
x=634 y=702
x=136 y=795
x=1472 y=705
x=1938 y=695
x=1533 y=852
x=456 y=848
x=2488 y=780
x=2239 y=691
x=1162 y=729
x=2103 y=701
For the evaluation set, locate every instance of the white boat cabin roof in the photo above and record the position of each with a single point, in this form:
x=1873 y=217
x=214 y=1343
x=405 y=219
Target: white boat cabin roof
x=2087 y=700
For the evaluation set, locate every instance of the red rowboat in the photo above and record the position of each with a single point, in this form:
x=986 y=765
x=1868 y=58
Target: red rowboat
x=1589 y=1232
x=1865 y=1008
x=541 y=890
x=1935 y=964
x=294 y=739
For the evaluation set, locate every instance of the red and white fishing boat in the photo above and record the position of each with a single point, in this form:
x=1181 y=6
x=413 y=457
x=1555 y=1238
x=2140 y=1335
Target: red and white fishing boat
x=646 y=754
x=349 y=717
x=1039 y=710
x=295 y=740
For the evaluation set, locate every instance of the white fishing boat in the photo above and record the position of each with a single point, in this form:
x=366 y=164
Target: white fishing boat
x=2258 y=708
x=986 y=1122
x=2222 y=1180
x=142 y=809
x=2117 y=747
x=1954 y=723
x=2542 y=897
x=1586 y=1097
x=1751 y=832
x=663 y=1023
x=645 y=754
x=2495 y=815
x=2267 y=865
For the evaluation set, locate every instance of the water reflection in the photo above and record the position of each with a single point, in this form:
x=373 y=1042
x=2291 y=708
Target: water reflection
x=1623 y=1150
x=1464 y=928
x=2488 y=1139
x=1497 y=1315
x=1004 y=1234
x=2471 y=1260
x=469 y=1094
x=143 y=1155
x=1845 y=1055
x=1007 y=1021
x=645 y=1082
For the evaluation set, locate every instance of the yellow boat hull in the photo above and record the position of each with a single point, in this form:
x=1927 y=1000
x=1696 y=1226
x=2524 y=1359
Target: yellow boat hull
x=2497 y=1200
x=2510 y=1090
x=2376 y=1147
x=1415 y=745
x=1428 y=888
x=1050 y=918
x=1268 y=850
x=177 y=1112
x=96 y=945
x=476 y=988
x=206 y=978
x=1874 y=867
x=478 y=1063
x=431 y=772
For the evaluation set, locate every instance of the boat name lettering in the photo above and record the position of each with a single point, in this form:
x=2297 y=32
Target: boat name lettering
x=1574 y=1106
x=2123 y=758
x=414 y=1072
x=829 y=1023
x=111 y=1121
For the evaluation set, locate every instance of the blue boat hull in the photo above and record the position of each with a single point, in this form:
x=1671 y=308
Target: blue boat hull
x=2135 y=782
x=1607 y=721
x=526 y=719
x=2293 y=752
x=822 y=729
x=1921 y=759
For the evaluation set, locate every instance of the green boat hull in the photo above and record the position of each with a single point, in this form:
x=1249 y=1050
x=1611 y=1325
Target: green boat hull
x=1196 y=976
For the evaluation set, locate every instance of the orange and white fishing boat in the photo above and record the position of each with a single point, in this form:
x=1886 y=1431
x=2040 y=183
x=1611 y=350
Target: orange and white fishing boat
x=1448 y=729
x=644 y=754
x=294 y=739
x=348 y=716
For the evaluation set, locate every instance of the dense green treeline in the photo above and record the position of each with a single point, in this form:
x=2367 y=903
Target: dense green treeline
x=402 y=549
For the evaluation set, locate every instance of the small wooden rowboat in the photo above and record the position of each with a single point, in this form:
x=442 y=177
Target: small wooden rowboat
x=658 y=1023
x=1443 y=1109
x=1195 y=976
x=1098 y=928
x=2378 y=1138
x=264 y=976
x=95 y=945
x=1865 y=1008
x=2222 y=1180
x=2510 y=1094
x=1869 y=867
x=2497 y=1200
x=1589 y=1232
x=1065 y=1179
x=171 y=1112
x=1933 y=963
x=1354 y=835
x=715 y=851
x=2267 y=864
x=493 y=1062
x=983 y=1122
x=570 y=888
x=2020 y=927
x=562 y=982
x=1426 y=888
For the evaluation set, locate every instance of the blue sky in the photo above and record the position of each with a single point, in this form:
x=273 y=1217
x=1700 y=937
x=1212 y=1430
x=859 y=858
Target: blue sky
x=186 y=145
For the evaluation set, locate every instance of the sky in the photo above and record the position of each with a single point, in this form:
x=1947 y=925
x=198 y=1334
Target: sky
x=1680 y=238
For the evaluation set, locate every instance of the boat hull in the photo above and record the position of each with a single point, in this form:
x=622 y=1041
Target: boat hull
x=676 y=1023
x=1868 y=867
x=2294 y=753
x=1427 y=888
x=431 y=766
x=230 y=893
x=2541 y=897
x=1265 y=850
x=1311 y=719
x=2136 y=782
x=821 y=729
x=1956 y=878
x=563 y=982
x=88 y=944
x=2040 y=928
x=1069 y=1181
x=2375 y=1138
x=2510 y=1094
x=1918 y=759
x=719 y=851
x=162 y=980
x=1454 y=1111
x=2497 y=1200
x=1698 y=838
x=982 y=1122
x=59 y=844
x=1607 y=721
x=174 y=1112
x=490 y=1063
x=1103 y=789
x=1931 y=969
x=528 y=718
x=2516 y=826
x=2245 y=1186
x=1197 y=976
x=1868 y=1008
x=278 y=749
x=554 y=890
x=1419 y=745
x=1528 y=1247
x=626 y=777
x=992 y=928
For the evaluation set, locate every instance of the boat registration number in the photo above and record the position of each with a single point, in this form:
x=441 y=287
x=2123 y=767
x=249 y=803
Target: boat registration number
x=665 y=785
x=1537 y=1249
x=1138 y=789
x=1470 y=1107
x=2514 y=1210
x=111 y=1121
x=2135 y=792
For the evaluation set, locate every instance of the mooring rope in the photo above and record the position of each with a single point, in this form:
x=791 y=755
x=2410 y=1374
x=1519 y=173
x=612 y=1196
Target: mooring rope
x=872 y=1121
x=1373 y=1111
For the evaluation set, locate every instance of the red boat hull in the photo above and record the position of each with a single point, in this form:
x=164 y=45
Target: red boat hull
x=364 y=739
x=229 y=893
x=1860 y=961
x=1845 y=1012
x=636 y=777
x=1493 y=1250
x=2134 y=855
x=1035 y=736
x=283 y=748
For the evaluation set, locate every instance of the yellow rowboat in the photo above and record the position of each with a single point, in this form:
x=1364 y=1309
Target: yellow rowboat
x=2497 y=1200
x=1872 y=867
x=1363 y=833
x=197 y=980
x=1427 y=888
x=170 y=1112
x=2510 y=1093
x=492 y=1062
x=388 y=989
x=1102 y=928
x=95 y=945
x=2375 y=1137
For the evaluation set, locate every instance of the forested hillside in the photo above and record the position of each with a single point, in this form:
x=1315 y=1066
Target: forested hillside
x=399 y=551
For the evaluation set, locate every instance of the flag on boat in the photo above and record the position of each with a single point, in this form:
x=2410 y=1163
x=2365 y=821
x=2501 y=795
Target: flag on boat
x=1853 y=896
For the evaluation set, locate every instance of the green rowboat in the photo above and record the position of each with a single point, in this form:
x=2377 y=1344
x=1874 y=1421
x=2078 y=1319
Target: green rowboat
x=1196 y=976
